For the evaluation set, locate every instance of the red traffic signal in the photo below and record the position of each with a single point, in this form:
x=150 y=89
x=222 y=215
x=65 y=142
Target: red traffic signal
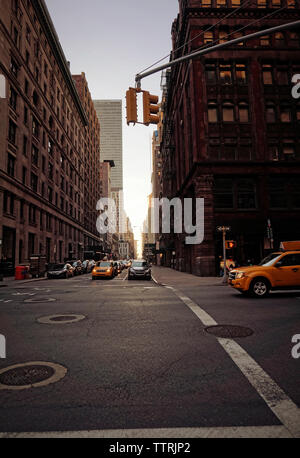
x=229 y=244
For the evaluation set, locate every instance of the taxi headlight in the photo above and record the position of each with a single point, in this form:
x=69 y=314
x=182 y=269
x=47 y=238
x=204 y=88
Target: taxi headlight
x=107 y=270
x=240 y=275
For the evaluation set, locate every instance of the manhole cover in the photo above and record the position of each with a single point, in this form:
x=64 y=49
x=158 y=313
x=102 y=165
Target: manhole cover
x=29 y=375
x=26 y=375
x=61 y=319
x=228 y=330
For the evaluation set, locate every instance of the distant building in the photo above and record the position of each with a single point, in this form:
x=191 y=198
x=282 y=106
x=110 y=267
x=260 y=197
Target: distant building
x=109 y=113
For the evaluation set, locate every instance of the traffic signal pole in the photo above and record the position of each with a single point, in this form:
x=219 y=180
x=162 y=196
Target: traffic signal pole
x=210 y=49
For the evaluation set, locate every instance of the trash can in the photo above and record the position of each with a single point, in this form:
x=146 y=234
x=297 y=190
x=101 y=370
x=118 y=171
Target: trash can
x=20 y=272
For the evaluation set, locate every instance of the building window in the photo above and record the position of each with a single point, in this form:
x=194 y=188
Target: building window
x=35 y=127
x=276 y=3
x=223 y=193
x=270 y=112
x=267 y=74
x=240 y=73
x=235 y=3
x=32 y=214
x=50 y=171
x=288 y=149
x=221 y=3
x=35 y=156
x=212 y=112
x=31 y=244
x=12 y=131
x=262 y=3
x=50 y=147
x=238 y=35
x=228 y=112
x=208 y=37
x=25 y=142
x=226 y=74
x=206 y=3
x=291 y=3
x=246 y=194
x=11 y=161
x=265 y=40
x=285 y=114
x=14 y=67
x=25 y=115
x=24 y=176
x=34 y=182
x=50 y=194
x=279 y=39
x=243 y=112
x=223 y=36
x=211 y=75
x=277 y=193
x=294 y=40
x=282 y=77
x=13 y=99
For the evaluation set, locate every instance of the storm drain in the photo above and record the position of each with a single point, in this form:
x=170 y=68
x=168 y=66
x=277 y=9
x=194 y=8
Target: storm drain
x=29 y=375
x=60 y=319
x=228 y=330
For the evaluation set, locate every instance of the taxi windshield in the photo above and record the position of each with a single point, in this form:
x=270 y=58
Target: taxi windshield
x=270 y=259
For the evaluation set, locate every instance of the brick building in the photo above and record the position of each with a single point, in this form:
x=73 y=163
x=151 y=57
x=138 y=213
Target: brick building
x=231 y=129
x=44 y=134
x=91 y=164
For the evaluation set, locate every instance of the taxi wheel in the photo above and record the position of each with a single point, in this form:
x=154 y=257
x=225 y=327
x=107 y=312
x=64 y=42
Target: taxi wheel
x=259 y=287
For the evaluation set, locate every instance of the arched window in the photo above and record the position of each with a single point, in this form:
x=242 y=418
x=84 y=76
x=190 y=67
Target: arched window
x=228 y=112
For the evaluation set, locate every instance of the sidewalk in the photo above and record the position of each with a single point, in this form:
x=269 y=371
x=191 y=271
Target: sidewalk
x=167 y=276
x=10 y=281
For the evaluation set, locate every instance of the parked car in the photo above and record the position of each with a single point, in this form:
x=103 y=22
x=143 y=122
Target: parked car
x=139 y=269
x=87 y=266
x=103 y=269
x=279 y=270
x=60 y=271
x=78 y=270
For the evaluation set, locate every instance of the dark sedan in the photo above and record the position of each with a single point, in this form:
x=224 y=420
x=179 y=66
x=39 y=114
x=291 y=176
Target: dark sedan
x=139 y=269
x=60 y=271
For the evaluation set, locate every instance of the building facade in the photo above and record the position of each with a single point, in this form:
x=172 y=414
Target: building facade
x=43 y=127
x=109 y=113
x=92 y=170
x=231 y=130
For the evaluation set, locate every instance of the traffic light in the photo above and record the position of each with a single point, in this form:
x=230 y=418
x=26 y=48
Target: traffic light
x=230 y=244
x=150 y=108
x=131 y=106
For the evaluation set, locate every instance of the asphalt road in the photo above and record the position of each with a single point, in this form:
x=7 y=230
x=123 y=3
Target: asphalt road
x=142 y=360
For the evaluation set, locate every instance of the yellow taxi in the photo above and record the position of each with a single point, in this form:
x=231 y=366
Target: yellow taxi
x=279 y=270
x=103 y=269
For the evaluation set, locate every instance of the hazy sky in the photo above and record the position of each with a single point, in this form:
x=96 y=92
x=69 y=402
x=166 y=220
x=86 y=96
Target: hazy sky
x=112 y=41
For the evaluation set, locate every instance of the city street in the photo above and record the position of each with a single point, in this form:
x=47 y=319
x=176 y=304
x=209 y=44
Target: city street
x=138 y=361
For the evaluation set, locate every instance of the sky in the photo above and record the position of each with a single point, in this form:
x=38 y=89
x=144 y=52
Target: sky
x=112 y=41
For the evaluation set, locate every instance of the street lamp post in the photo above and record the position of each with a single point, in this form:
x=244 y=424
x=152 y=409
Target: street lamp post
x=224 y=229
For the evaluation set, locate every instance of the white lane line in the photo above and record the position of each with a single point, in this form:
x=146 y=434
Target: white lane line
x=189 y=433
x=276 y=399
